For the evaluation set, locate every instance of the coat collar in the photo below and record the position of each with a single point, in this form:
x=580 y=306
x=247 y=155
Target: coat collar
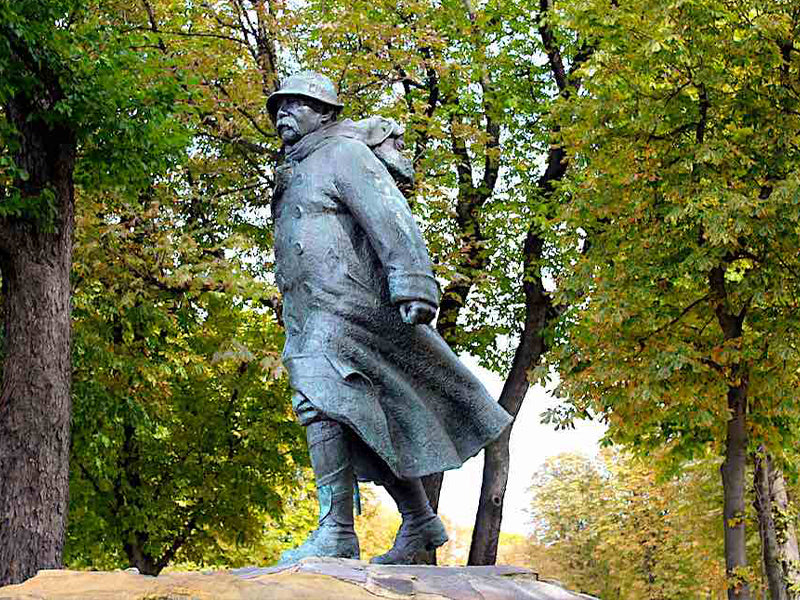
x=316 y=139
x=307 y=146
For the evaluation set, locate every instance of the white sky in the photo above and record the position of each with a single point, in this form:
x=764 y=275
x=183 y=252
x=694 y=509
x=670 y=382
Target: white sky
x=531 y=444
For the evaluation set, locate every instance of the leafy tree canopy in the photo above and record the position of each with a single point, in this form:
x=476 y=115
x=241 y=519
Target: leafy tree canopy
x=688 y=143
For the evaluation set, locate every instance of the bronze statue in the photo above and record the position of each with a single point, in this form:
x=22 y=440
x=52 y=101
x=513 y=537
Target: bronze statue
x=382 y=396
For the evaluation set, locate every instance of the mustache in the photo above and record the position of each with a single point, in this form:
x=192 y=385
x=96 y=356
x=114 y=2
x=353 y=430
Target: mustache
x=287 y=121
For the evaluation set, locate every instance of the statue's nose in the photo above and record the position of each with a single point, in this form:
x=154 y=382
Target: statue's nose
x=286 y=106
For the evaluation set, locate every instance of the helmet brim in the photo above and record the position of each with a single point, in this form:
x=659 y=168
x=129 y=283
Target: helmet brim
x=275 y=98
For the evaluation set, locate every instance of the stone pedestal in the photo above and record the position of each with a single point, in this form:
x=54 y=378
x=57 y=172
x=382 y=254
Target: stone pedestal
x=312 y=579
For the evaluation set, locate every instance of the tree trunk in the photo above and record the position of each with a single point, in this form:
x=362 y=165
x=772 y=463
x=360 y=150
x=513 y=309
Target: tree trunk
x=733 y=484
x=538 y=305
x=538 y=310
x=433 y=489
x=35 y=260
x=733 y=468
x=138 y=557
x=766 y=527
x=539 y=313
x=786 y=531
x=778 y=536
x=486 y=533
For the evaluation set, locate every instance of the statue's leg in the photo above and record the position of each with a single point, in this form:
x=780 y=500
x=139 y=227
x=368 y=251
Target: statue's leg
x=333 y=470
x=421 y=528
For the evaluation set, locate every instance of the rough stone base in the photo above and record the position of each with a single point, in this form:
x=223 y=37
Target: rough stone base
x=313 y=579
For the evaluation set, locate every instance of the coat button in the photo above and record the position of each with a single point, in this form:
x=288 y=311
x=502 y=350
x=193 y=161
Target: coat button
x=298 y=212
x=298 y=248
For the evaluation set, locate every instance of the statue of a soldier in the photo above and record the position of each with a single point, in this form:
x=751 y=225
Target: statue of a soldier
x=382 y=396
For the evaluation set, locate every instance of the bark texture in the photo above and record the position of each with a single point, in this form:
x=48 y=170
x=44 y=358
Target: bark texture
x=733 y=468
x=788 y=548
x=538 y=312
x=733 y=484
x=35 y=260
x=778 y=536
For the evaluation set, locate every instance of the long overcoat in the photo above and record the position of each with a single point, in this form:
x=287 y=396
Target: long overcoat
x=347 y=251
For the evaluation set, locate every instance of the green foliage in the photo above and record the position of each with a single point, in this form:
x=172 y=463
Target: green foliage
x=267 y=537
x=182 y=431
x=680 y=237
x=688 y=148
x=184 y=447
x=610 y=528
x=79 y=67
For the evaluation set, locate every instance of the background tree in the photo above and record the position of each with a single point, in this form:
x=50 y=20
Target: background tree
x=183 y=428
x=461 y=76
x=181 y=413
x=611 y=528
x=70 y=80
x=377 y=524
x=777 y=522
x=569 y=498
x=688 y=191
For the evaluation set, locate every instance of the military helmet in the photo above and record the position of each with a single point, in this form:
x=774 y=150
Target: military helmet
x=307 y=84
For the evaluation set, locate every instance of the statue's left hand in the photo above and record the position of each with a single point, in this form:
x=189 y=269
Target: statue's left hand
x=416 y=312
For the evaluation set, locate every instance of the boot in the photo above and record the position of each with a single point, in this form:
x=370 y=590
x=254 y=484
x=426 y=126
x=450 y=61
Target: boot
x=421 y=528
x=330 y=459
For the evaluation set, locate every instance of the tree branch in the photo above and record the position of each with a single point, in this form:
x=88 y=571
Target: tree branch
x=266 y=57
x=93 y=480
x=188 y=34
x=177 y=543
x=704 y=104
x=672 y=322
x=240 y=110
x=731 y=324
x=539 y=313
x=151 y=15
x=550 y=47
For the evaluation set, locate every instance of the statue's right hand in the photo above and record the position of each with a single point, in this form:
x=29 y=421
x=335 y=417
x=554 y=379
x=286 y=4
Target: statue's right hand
x=416 y=312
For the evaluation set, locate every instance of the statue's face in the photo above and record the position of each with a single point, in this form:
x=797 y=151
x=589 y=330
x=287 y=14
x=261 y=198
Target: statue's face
x=298 y=116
